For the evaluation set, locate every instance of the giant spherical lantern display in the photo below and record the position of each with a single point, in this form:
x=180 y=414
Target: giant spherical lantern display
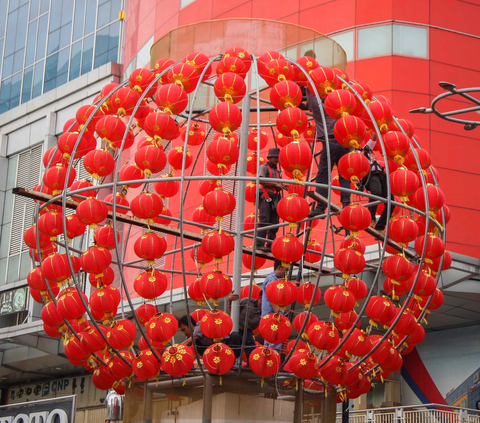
x=172 y=219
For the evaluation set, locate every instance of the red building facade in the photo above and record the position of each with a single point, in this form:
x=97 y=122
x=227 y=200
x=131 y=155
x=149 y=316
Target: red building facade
x=402 y=48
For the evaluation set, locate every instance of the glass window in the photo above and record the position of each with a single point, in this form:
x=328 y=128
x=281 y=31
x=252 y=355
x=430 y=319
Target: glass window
x=62 y=67
x=375 y=41
x=22 y=23
x=11 y=175
x=5 y=240
x=104 y=14
x=67 y=11
x=7 y=66
x=346 y=42
x=42 y=37
x=410 y=40
x=27 y=84
x=51 y=67
x=15 y=90
x=18 y=60
x=75 y=60
x=11 y=30
x=53 y=42
x=14 y=4
x=38 y=79
x=91 y=13
x=87 y=54
x=31 y=41
x=44 y=6
x=12 y=274
x=79 y=19
x=34 y=9
x=3 y=16
x=106 y=47
x=3 y=268
x=55 y=15
x=5 y=95
x=25 y=266
x=65 y=35
x=7 y=208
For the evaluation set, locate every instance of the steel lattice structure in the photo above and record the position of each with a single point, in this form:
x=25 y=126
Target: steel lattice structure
x=240 y=181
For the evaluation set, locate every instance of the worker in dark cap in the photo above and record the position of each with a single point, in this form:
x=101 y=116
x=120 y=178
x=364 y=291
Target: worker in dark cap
x=270 y=195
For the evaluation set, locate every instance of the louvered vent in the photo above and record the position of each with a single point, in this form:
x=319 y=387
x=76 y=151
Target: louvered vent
x=28 y=175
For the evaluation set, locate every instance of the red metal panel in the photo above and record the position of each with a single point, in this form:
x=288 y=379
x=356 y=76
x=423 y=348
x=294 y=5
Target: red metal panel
x=461 y=77
x=377 y=72
x=270 y=10
x=329 y=17
x=411 y=74
x=220 y=7
x=199 y=10
x=412 y=10
x=368 y=11
x=458 y=15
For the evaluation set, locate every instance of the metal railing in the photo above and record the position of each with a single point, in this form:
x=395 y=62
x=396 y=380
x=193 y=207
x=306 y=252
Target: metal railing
x=422 y=413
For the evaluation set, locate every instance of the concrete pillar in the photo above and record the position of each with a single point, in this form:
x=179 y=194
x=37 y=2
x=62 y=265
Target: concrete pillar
x=328 y=408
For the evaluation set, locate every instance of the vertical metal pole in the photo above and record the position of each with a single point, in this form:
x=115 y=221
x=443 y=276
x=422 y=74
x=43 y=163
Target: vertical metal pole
x=298 y=411
x=239 y=220
x=345 y=411
x=207 y=399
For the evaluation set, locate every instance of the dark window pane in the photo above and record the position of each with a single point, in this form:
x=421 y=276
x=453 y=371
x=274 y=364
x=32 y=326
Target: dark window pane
x=91 y=13
x=107 y=44
x=5 y=90
x=53 y=42
x=1 y=52
x=15 y=91
x=7 y=66
x=31 y=41
x=87 y=55
x=67 y=11
x=101 y=60
x=104 y=14
x=27 y=84
x=102 y=41
x=37 y=79
x=55 y=15
x=22 y=2
x=18 y=60
x=11 y=31
x=44 y=6
x=113 y=55
x=41 y=38
x=79 y=18
x=34 y=9
x=49 y=85
x=65 y=35
x=3 y=16
x=51 y=67
x=75 y=60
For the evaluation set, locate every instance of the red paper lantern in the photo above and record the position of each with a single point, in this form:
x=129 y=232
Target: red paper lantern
x=242 y=54
x=74 y=349
x=423 y=158
x=275 y=71
x=264 y=361
x=151 y=159
x=323 y=336
x=292 y=209
x=145 y=312
x=382 y=114
x=355 y=217
x=309 y=64
x=300 y=318
x=230 y=87
x=83 y=114
x=380 y=310
x=105 y=237
x=324 y=79
x=222 y=152
x=91 y=212
x=357 y=287
x=121 y=200
x=404 y=124
x=256 y=290
x=285 y=94
x=218 y=244
x=96 y=260
x=435 y=303
x=333 y=370
x=150 y=247
x=434 y=246
x=162 y=327
x=395 y=288
x=92 y=339
x=196 y=133
x=256 y=142
x=436 y=198
x=275 y=328
x=54 y=178
x=176 y=156
x=340 y=103
x=199 y=215
x=111 y=129
x=230 y=64
x=36 y=280
x=292 y=122
x=184 y=75
x=397 y=267
x=306 y=294
x=107 y=278
x=161 y=66
x=403 y=183
x=199 y=61
x=67 y=142
x=447 y=262
x=310 y=133
x=52 y=157
x=216 y=285
x=171 y=99
x=145 y=365
x=50 y=225
x=303 y=364
x=123 y=101
x=287 y=249
x=159 y=126
x=216 y=324
x=349 y=131
x=120 y=369
x=225 y=117
x=218 y=358
x=146 y=205
x=349 y=262
x=344 y=321
x=397 y=145
x=257 y=264
x=196 y=293
x=219 y=203
x=402 y=230
x=281 y=292
x=51 y=316
x=55 y=268
x=339 y=299
x=166 y=189
x=69 y=304
x=150 y=284
x=177 y=360
x=353 y=166
x=105 y=301
x=313 y=257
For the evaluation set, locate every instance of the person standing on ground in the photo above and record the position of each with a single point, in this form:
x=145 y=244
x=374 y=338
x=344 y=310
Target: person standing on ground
x=270 y=195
